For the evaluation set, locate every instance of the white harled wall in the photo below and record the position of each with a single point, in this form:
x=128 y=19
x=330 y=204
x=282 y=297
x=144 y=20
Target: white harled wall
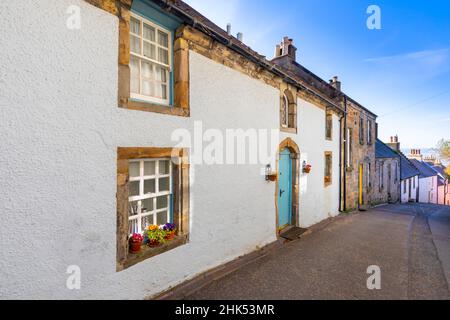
x=428 y=192
x=60 y=129
x=317 y=202
x=405 y=195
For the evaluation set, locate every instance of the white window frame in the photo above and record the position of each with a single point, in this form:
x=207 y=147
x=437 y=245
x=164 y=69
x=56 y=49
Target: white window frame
x=369 y=132
x=285 y=124
x=285 y=121
x=140 y=215
x=141 y=57
x=349 y=147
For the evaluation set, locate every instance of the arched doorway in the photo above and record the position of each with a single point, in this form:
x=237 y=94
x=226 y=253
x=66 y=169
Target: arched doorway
x=287 y=189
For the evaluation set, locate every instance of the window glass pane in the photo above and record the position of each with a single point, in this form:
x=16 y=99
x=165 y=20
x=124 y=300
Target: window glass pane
x=161 y=74
x=149 y=186
x=134 y=188
x=164 y=167
x=147 y=88
x=161 y=218
x=133 y=208
x=146 y=222
x=134 y=226
x=163 y=39
x=134 y=74
x=135 y=26
x=163 y=56
x=149 y=168
x=149 y=50
x=149 y=32
x=135 y=44
x=162 y=202
x=164 y=184
x=147 y=205
x=158 y=91
x=147 y=70
x=163 y=91
x=134 y=169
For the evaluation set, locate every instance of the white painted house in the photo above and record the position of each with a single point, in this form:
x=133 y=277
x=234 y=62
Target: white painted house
x=409 y=175
x=428 y=182
x=88 y=136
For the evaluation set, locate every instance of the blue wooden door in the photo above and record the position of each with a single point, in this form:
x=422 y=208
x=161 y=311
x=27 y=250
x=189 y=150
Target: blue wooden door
x=284 y=189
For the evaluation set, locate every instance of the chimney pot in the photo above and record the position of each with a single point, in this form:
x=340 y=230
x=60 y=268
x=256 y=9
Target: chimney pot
x=336 y=83
x=229 y=29
x=240 y=36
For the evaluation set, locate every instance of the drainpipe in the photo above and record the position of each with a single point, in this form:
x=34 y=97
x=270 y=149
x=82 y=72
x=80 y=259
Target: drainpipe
x=344 y=167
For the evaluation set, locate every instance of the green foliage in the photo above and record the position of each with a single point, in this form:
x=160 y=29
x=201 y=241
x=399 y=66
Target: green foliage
x=447 y=172
x=444 y=149
x=156 y=235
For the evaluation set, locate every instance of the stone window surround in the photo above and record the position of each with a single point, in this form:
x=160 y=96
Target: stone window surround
x=329 y=181
x=180 y=107
x=290 y=94
x=329 y=121
x=180 y=175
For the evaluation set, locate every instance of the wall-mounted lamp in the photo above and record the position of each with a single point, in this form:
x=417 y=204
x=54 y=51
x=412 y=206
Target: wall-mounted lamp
x=270 y=175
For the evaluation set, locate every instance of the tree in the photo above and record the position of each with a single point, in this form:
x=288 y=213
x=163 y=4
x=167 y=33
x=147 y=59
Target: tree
x=447 y=172
x=443 y=148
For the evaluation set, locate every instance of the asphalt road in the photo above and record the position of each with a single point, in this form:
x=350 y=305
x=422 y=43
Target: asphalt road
x=410 y=244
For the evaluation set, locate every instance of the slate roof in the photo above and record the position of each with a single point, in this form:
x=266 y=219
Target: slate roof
x=306 y=78
x=383 y=151
x=440 y=169
x=407 y=169
x=425 y=169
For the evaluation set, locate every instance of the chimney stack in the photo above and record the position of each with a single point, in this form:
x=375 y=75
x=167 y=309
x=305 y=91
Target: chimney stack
x=336 y=83
x=286 y=48
x=394 y=144
x=416 y=154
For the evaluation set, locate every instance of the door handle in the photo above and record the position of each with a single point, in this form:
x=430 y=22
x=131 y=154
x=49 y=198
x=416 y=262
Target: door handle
x=281 y=192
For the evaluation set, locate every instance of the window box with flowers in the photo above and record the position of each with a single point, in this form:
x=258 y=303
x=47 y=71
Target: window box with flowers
x=152 y=203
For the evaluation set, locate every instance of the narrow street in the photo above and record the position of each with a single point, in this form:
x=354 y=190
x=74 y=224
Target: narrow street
x=410 y=243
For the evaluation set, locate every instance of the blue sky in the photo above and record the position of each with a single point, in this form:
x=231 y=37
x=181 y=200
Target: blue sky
x=401 y=72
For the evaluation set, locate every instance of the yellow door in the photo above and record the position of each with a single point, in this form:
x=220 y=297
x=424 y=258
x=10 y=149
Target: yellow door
x=361 y=176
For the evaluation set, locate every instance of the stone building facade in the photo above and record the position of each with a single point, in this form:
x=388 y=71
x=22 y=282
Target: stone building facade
x=387 y=175
x=359 y=133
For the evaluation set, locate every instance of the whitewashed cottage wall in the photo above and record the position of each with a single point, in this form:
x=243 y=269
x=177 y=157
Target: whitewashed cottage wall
x=60 y=129
x=316 y=202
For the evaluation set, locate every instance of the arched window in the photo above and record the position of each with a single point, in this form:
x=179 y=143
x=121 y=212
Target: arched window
x=288 y=112
x=284 y=118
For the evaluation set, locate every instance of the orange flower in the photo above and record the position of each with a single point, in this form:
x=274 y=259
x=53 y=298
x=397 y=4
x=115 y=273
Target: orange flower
x=153 y=228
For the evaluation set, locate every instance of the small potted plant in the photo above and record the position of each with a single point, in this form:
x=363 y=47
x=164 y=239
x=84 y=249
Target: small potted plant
x=135 y=243
x=307 y=168
x=170 y=230
x=156 y=236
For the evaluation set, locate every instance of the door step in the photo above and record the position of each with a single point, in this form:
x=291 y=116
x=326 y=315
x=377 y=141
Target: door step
x=292 y=233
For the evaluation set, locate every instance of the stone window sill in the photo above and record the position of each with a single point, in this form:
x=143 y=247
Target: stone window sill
x=147 y=252
x=289 y=130
x=156 y=108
